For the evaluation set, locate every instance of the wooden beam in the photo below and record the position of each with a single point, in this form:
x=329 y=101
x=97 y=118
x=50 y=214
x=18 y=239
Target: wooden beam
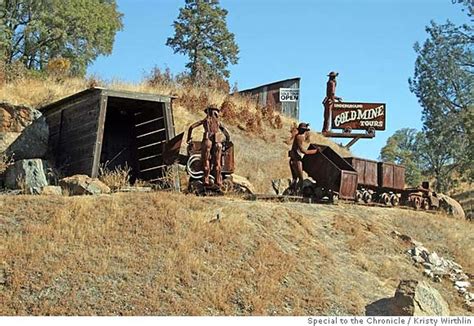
x=347 y=135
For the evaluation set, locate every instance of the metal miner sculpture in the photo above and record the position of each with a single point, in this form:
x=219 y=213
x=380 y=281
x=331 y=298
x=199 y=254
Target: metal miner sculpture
x=296 y=157
x=211 y=146
x=329 y=100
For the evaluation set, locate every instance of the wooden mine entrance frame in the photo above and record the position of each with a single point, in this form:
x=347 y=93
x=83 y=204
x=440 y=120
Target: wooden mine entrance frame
x=350 y=116
x=115 y=128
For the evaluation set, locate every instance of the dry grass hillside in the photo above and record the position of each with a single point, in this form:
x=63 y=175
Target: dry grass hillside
x=261 y=148
x=166 y=254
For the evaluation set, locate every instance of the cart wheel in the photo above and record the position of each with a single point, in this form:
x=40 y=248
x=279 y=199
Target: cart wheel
x=394 y=200
x=358 y=196
x=426 y=204
x=308 y=192
x=385 y=199
x=318 y=193
x=334 y=198
x=367 y=197
x=416 y=202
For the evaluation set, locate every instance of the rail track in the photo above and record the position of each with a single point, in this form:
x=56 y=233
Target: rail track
x=309 y=200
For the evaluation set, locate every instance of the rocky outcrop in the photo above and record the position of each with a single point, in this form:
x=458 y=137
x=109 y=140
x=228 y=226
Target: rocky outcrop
x=83 y=185
x=28 y=175
x=14 y=118
x=242 y=184
x=451 y=206
x=415 y=298
x=23 y=132
x=437 y=268
x=32 y=142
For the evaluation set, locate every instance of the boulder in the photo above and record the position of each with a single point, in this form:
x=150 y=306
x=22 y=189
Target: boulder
x=418 y=298
x=32 y=142
x=6 y=139
x=462 y=284
x=418 y=259
x=434 y=259
x=83 y=185
x=243 y=183
x=14 y=118
x=29 y=175
x=452 y=206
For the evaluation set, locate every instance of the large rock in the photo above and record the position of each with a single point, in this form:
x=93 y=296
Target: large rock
x=415 y=298
x=6 y=139
x=83 y=185
x=243 y=182
x=29 y=175
x=14 y=118
x=32 y=142
x=452 y=206
x=23 y=132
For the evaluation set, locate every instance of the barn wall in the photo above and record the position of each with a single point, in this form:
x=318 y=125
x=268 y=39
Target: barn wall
x=269 y=95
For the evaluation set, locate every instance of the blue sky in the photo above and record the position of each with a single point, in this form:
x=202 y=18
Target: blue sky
x=369 y=42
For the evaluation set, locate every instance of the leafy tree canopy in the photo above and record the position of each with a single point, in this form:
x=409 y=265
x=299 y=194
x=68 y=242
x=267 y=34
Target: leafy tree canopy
x=402 y=148
x=201 y=34
x=36 y=31
x=443 y=82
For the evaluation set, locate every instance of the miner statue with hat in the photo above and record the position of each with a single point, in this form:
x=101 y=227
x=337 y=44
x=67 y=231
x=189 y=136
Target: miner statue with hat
x=330 y=99
x=211 y=146
x=296 y=154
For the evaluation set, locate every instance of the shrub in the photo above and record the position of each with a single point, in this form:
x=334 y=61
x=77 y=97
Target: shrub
x=159 y=78
x=278 y=124
x=59 y=68
x=115 y=179
x=228 y=111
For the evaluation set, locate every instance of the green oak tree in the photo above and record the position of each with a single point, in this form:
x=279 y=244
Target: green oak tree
x=200 y=32
x=402 y=148
x=36 y=31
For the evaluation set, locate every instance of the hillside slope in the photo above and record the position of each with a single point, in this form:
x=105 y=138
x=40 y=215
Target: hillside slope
x=260 y=155
x=166 y=254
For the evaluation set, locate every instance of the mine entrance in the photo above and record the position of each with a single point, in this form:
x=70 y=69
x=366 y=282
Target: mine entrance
x=134 y=134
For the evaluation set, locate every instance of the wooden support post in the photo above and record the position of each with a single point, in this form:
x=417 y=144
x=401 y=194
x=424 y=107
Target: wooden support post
x=352 y=142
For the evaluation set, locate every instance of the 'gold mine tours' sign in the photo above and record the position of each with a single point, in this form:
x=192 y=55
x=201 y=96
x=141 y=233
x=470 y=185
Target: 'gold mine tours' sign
x=359 y=116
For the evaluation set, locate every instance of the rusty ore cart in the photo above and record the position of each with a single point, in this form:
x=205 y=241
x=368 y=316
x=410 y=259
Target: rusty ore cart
x=367 y=177
x=195 y=171
x=335 y=177
x=384 y=182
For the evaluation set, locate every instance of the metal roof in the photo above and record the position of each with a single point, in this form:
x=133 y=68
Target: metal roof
x=269 y=84
x=111 y=93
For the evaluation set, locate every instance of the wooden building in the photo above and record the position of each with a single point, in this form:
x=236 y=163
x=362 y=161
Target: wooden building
x=102 y=127
x=282 y=95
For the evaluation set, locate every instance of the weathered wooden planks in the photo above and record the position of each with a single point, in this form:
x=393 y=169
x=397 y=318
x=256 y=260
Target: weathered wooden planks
x=77 y=130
